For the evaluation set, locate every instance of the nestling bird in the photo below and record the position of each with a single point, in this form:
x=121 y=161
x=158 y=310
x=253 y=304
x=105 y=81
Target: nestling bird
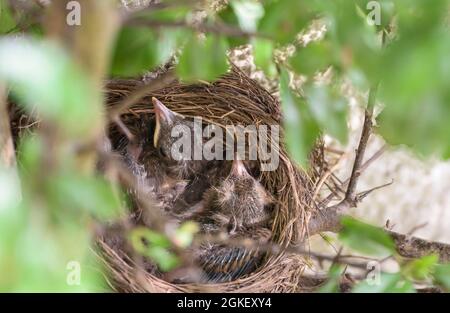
x=144 y=161
x=199 y=173
x=163 y=141
x=239 y=206
x=238 y=202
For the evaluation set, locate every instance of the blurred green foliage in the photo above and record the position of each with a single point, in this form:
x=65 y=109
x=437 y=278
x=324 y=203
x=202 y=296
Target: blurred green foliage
x=388 y=283
x=155 y=246
x=203 y=59
x=334 y=278
x=407 y=53
x=44 y=227
x=366 y=238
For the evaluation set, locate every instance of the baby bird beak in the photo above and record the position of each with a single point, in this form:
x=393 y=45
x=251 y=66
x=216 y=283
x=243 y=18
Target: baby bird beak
x=238 y=168
x=163 y=116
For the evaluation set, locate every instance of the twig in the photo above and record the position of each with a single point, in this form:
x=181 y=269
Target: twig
x=361 y=195
x=350 y=196
x=366 y=164
x=329 y=218
x=216 y=28
x=416 y=228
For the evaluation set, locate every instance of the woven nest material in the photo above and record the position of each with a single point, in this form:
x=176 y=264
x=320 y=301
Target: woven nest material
x=233 y=99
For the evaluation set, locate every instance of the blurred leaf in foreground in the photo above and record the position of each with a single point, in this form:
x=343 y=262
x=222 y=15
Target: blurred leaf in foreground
x=366 y=238
x=140 y=49
x=46 y=80
x=329 y=109
x=283 y=20
x=316 y=56
x=203 y=58
x=263 y=52
x=442 y=275
x=334 y=278
x=420 y=269
x=415 y=92
x=184 y=235
x=388 y=283
x=7 y=22
x=91 y=194
x=300 y=128
x=154 y=246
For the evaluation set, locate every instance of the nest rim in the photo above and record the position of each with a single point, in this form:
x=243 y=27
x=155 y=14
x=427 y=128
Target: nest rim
x=291 y=186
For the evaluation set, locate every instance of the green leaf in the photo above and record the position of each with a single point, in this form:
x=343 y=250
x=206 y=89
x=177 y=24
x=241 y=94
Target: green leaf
x=140 y=49
x=354 y=43
x=171 y=13
x=154 y=246
x=12 y=212
x=203 y=59
x=141 y=237
x=228 y=17
x=420 y=269
x=417 y=19
x=366 y=238
x=263 y=52
x=329 y=108
x=7 y=22
x=283 y=20
x=442 y=275
x=47 y=81
x=163 y=258
x=91 y=194
x=334 y=277
x=384 y=283
x=301 y=130
x=316 y=56
x=184 y=235
x=416 y=95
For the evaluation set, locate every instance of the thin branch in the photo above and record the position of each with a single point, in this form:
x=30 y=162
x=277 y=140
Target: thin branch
x=329 y=218
x=216 y=28
x=361 y=195
x=350 y=195
x=366 y=164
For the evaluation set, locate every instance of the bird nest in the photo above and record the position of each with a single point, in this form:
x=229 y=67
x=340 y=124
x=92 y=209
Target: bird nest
x=233 y=99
